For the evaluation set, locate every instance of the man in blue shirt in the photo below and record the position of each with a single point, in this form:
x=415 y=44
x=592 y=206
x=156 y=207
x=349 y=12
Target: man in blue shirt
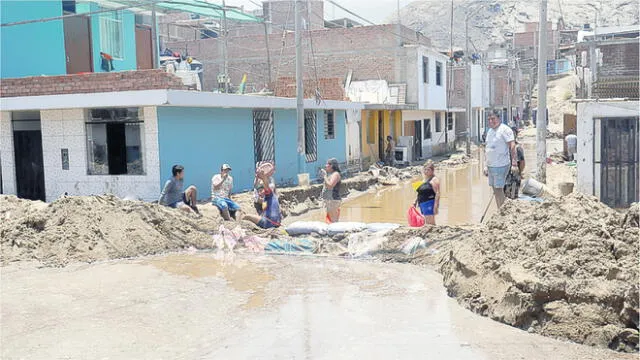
x=173 y=196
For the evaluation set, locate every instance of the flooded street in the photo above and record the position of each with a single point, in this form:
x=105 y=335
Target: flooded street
x=464 y=194
x=180 y=306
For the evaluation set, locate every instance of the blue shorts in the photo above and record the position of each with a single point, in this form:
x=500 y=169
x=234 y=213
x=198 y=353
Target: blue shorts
x=266 y=223
x=225 y=203
x=426 y=208
x=498 y=176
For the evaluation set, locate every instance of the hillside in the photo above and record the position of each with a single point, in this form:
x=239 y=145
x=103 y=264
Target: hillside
x=498 y=17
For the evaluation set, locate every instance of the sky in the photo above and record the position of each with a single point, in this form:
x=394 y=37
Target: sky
x=374 y=10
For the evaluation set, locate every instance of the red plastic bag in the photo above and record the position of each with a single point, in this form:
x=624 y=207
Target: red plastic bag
x=415 y=218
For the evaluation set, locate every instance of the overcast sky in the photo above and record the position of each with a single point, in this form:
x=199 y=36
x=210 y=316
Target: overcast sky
x=374 y=10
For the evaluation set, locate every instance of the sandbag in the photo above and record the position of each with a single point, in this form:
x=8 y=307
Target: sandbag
x=343 y=227
x=290 y=246
x=306 y=227
x=365 y=244
x=376 y=227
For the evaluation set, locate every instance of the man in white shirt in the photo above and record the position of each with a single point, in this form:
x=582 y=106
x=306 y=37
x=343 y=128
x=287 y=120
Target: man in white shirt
x=501 y=156
x=221 y=185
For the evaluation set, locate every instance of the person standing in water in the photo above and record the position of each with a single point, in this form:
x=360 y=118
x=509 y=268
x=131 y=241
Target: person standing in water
x=429 y=194
x=330 y=195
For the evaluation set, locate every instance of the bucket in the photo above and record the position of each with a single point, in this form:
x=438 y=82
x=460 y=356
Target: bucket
x=303 y=179
x=565 y=188
x=534 y=188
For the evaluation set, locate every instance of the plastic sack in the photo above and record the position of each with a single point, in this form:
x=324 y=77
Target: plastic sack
x=412 y=245
x=292 y=246
x=343 y=227
x=414 y=217
x=366 y=244
x=306 y=227
x=377 y=227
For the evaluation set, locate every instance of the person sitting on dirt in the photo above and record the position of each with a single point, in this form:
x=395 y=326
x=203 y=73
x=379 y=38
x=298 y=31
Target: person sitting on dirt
x=500 y=148
x=271 y=216
x=331 y=180
x=173 y=196
x=429 y=194
x=389 y=151
x=221 y=186
x=513 y=181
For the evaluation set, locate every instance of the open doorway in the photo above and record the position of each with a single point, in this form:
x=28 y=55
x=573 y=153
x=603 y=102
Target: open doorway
x=29 y=164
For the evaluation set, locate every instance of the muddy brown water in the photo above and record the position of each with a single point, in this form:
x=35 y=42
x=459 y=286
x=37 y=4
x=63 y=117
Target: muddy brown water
x=465 y=194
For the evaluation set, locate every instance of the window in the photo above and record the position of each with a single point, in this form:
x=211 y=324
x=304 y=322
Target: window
x=438 y=73
x=111 y=34
x=438 y=123
x=449 y=121
x=114 y=142
x=427 y=128
x=208 y=34
x=69 y=7
x=329 y=124
x=425 y=69
x=263 y=138
x=310 y=136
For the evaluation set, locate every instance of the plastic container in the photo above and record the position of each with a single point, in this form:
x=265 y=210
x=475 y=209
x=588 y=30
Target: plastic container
x=534 y=188
x=303 y=180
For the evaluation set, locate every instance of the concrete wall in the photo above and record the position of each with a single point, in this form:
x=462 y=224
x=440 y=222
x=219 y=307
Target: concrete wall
x=202 y=139
x=439 y=143
x=66 y=129
x=589 y=138
x=128 y=60
x=428 y=96
x=31 y=49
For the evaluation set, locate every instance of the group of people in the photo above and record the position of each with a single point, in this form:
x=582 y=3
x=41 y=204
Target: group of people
x=505 y=164
x=265 y=197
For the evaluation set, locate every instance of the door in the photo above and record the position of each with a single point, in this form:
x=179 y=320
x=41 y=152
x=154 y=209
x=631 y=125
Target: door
x=116 y=143
x=417 y=141
x=77 y=44
x=144 y=49
x=27 y=142
x=619 y=168
x=381 y=135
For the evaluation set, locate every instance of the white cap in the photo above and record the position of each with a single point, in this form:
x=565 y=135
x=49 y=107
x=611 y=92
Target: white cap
x=226 y=166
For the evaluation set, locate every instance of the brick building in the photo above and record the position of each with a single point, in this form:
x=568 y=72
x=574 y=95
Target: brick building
x=526 y=43
x=608 y=67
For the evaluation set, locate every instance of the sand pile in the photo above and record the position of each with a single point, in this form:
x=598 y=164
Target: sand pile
x=94 y=228
x=565 y=269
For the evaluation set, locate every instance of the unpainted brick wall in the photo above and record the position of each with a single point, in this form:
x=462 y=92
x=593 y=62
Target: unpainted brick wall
x=330 y=88
x=90 y=83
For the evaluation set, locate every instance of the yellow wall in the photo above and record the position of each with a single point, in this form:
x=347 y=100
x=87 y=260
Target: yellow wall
x=370 y=131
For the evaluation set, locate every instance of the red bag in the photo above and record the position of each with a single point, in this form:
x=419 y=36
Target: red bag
x=415 y=218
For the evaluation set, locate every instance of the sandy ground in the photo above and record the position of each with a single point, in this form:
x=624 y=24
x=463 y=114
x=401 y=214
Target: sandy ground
x=560 y=92
x=182 y=306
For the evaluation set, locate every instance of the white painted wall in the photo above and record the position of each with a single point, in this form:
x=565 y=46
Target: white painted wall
x=353 y=135
x=430 y=95
x=7 y=158
x=476 y=86
x=589 y=140
x=65 y=129
x=430 y=146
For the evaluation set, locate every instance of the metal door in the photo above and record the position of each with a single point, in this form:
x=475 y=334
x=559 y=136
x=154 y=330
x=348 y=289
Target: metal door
x=263 y=135
x=381 y=135
x=77 y=44
x=27 y=142
x=417 y=141
x=619 y=169
x=310 y=135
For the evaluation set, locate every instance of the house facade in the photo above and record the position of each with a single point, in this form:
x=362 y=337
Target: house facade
x=126 y=142
x=74 y=44
x=609 y=151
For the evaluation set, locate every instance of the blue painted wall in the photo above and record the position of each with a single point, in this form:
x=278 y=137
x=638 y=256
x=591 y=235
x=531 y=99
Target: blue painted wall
x=31 y=49
x=202 y=139
x=286 y=136
x=128 y=60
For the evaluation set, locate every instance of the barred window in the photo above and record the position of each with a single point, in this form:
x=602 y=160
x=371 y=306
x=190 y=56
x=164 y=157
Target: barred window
x=111 y=34
x=329 y=124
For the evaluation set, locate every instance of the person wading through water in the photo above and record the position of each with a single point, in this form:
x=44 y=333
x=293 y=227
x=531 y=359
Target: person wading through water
x=330 y=195
x=429 y=194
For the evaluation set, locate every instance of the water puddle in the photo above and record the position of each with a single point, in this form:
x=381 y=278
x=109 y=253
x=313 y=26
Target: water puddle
x=465 y=195
x=240 y=274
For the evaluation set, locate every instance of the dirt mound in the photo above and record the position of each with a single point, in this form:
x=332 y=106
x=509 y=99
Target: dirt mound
x=94 y=228
x=566 y=268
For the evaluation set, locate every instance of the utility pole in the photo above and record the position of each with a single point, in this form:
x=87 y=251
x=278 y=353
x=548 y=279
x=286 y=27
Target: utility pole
x=467 y=78
x=399 y=21
x=266 y=42
x=541 y=124
x=509 y=89
x=155 y=57
x=299 y=87
x=225 y=32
